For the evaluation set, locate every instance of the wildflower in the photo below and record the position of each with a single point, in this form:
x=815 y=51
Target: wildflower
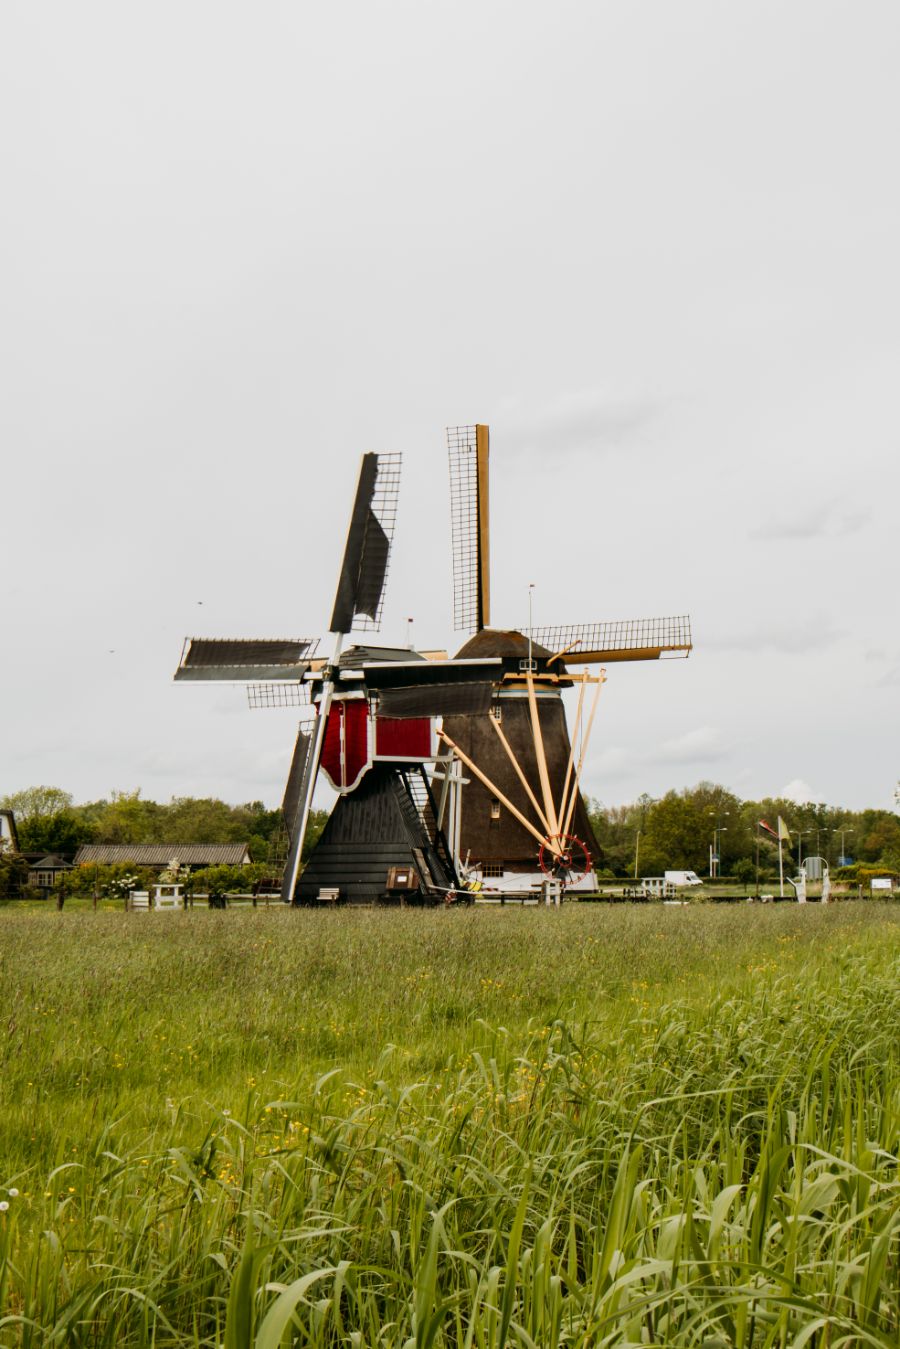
x=13 y=1193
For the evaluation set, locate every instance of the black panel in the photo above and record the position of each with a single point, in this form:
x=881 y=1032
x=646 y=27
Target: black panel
x=291 y=805
x=439 y=700
x=417 y=674
x=365 y=557
x=216 y=651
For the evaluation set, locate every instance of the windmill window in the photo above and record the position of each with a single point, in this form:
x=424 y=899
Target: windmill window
x=497 y=712
x=495 y=809
x=491 y=870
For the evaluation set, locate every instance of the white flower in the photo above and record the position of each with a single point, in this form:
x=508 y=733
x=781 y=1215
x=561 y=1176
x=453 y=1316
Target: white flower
x=13 y=1193
x=3 y=1206
x=226 y=1112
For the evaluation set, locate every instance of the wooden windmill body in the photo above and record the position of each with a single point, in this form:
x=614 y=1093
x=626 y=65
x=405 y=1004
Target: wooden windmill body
x=520 y=812
x=501 y=851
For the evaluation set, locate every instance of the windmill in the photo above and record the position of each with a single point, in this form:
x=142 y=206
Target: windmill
x=372 y=730
x=374 y=711
x=520 y=814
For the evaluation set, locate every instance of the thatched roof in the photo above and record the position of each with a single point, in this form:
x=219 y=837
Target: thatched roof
x=500 y=642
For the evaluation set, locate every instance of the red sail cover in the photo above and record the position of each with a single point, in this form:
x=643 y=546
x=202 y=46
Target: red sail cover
x=353 y=739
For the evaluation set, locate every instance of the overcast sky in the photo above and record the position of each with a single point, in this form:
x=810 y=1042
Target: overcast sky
x=653 y=245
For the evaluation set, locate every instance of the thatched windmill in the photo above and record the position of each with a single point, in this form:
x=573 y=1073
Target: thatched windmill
x=520 y=813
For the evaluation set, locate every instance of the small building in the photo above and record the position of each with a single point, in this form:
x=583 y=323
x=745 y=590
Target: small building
x=42 y=873
x=159 y=856
x=9 y=838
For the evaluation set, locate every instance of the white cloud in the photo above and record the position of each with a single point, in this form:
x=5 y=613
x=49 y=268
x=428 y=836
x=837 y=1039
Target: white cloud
x=799 y=792
x=701 y=745
x=576 y=420
x=789 y=636
x=828 y=520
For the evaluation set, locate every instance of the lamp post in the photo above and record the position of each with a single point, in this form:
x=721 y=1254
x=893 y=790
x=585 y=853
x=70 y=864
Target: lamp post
x=637 y=853
x=842 y=831
x=719 y=830
x=714 y=850
x=800 y=833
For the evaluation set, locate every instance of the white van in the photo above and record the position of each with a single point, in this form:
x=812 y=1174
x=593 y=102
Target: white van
x=682 y=878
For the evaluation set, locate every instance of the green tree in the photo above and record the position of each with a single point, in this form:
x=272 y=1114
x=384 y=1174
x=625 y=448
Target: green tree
x=682 y=825
x=13 y=874
x=36 y=802
x=744 y=871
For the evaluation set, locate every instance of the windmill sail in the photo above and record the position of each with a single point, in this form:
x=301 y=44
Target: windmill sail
x=360 y=591
x=238 y=660
x=626 y=639
x=469 y=450
x=297 y=784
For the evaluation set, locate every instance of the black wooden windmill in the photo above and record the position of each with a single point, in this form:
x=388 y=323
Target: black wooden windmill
x=520 y=814
x=373 y=729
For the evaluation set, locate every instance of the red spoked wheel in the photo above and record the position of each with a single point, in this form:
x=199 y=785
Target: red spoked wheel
x=565 y=858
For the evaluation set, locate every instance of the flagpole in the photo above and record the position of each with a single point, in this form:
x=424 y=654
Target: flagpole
x=780 y=866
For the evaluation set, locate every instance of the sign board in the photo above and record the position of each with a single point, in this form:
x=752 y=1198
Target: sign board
x=882 y=883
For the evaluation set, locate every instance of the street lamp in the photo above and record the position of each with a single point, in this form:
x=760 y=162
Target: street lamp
x=714 y=850
x=637 y=853
x=801 y=834
x=842 y=831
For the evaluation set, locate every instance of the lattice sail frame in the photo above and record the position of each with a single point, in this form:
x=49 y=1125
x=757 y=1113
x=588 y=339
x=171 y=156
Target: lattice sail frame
x=384 y=508
x=277 y=695
x=462 y=451
x=622 y=639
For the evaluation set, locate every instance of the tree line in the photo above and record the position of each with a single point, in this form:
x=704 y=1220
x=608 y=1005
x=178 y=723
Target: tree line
x=49 y=821
x=679 y=830
x=645 y=837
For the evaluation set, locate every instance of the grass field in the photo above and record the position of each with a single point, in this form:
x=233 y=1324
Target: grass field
x=606 y=1125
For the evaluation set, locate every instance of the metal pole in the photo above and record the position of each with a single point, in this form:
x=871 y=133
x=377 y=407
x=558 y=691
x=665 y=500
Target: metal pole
x=293 y=863
x=530 y=594
x=637 y=853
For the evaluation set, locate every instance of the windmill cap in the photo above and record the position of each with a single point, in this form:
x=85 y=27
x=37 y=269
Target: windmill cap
x=501 y=642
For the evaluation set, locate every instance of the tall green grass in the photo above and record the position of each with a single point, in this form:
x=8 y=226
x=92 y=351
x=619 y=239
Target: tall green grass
x=599 y=1126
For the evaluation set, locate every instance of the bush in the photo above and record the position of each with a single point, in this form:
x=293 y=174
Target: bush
x=224 y=880
x=113 y=880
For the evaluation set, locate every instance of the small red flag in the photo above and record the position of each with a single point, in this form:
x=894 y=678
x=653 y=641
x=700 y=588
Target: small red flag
x=769 y=830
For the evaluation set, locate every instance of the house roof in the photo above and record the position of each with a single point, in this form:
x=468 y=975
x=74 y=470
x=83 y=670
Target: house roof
x=52 y=862
x=161 y=854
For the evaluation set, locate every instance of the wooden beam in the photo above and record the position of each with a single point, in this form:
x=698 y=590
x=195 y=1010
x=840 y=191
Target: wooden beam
x=629 y=653
x=492 y=787
x=557 y=655
x=570 y=765
x=544 y=776
x=482 y=454
x=522 y=778
x=584 y=744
